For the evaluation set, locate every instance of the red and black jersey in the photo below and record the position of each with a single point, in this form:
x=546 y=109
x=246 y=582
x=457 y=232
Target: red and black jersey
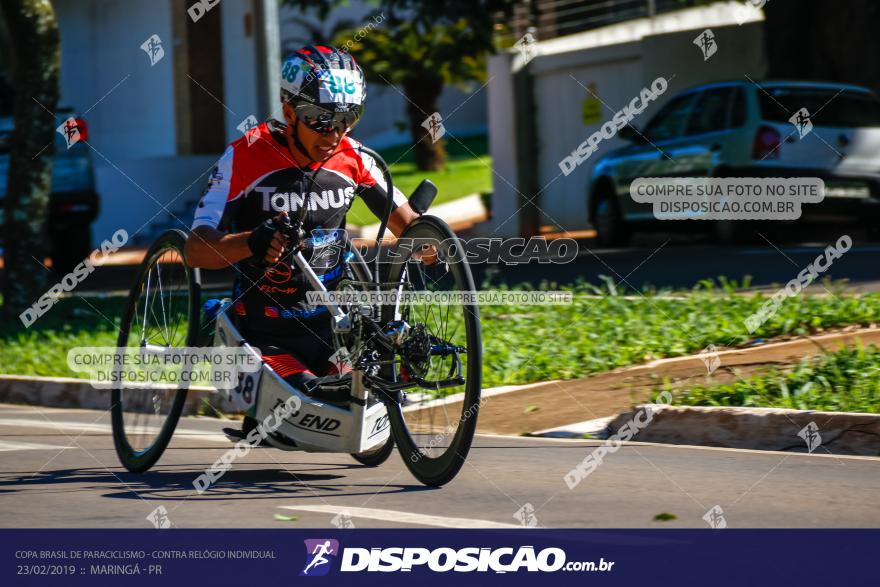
x=256 y=178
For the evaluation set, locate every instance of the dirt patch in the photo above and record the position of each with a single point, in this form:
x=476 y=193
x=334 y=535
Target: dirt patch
x=560 y=403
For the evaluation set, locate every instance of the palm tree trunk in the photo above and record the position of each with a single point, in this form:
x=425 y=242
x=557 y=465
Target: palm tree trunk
x=422 y=95
x=35 y=42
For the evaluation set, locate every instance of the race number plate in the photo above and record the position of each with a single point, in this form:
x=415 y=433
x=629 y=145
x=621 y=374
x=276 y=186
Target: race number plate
x=244 y=396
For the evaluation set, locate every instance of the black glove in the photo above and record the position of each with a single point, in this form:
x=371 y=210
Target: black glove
x=261 y=237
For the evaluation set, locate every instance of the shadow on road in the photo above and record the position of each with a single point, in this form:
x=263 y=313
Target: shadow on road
x=272 y=482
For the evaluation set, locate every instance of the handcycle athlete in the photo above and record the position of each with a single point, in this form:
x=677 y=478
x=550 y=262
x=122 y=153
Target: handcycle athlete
x=306 y=167
x=369 y=377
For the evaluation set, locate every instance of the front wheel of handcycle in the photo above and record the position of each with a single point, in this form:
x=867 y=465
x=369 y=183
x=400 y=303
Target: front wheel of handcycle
x=441 y=352
x=375 y=456
x=162 y=313
x=358 y=272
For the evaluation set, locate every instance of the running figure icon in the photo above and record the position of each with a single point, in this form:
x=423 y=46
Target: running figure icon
x=321 y=549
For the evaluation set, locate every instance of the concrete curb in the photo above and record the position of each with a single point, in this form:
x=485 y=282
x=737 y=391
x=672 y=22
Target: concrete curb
x=460 y=214
x=777 y=429
x=67 y=392
x=595 y=428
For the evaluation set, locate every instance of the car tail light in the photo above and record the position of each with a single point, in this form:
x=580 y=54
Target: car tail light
x=767 y=141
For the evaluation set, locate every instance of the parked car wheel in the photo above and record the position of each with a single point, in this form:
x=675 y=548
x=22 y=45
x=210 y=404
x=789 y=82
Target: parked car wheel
x=612 y=230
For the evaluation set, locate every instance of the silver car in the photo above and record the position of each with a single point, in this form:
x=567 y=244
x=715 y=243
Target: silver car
x=743 y=129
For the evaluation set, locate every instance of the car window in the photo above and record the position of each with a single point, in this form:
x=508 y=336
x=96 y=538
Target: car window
x=827 y=106
x=669 y=122
x=709 y=113
x=738 y=108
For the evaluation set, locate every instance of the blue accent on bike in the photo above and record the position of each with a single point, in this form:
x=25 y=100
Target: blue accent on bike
x=303 y=313
x=322 y=237
x=443 y=349
x=211 y=308
x=395 y=327
x=332 y=274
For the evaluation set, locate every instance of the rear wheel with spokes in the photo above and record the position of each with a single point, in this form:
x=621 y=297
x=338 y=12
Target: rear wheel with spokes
x=162 y=313
x=441 y=351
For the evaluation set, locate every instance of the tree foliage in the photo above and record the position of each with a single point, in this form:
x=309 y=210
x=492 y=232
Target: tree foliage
x=420 y=47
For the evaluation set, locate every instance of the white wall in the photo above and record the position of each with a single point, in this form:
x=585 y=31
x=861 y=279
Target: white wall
x=239 y=65
x=100 y=47
x=617 y=75
x=620 y=60
x=134 y=201
x=503 y=146
x=133 y=128
x=131 y=124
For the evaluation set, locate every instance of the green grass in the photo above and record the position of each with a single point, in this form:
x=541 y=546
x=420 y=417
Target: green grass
x=456 y=149
x=597 y=334
x=845 y=381
x=72 y=322
x=468 y=171
x=521 y=344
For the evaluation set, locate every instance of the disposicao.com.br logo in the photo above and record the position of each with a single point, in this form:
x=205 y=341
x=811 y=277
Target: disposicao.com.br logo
x=441 y=560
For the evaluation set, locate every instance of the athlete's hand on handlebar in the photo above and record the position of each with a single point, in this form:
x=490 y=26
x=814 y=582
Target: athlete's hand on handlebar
x=266 y=241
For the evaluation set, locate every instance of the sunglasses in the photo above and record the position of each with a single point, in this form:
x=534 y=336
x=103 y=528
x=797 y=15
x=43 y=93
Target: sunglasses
x=324 y=121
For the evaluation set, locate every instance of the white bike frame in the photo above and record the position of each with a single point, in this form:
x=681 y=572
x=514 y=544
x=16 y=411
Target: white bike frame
x=316 y=426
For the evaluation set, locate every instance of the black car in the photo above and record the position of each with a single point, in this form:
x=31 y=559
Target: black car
x=73 y=201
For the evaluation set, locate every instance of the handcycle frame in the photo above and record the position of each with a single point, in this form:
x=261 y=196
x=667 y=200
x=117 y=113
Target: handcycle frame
x=316 y=426
x=387 y=354
x=319 y=426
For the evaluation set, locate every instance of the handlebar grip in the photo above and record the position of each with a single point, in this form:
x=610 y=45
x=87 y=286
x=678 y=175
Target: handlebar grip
x=421 y=198
x=294 y=234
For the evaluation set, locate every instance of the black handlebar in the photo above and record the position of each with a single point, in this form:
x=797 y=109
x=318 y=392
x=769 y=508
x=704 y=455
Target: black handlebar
x=389 y=204
x=293 y=229
x=386 y=173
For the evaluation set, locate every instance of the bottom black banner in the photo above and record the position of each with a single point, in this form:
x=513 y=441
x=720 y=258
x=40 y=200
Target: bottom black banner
x=435 y=557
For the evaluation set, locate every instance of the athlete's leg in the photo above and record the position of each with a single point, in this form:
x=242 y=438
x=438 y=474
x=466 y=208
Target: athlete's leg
x=289 y=367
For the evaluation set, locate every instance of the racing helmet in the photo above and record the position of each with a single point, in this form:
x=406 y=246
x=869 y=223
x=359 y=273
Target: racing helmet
x=325 y=86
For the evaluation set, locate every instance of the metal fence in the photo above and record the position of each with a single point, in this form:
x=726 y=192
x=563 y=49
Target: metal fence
x=548 y=19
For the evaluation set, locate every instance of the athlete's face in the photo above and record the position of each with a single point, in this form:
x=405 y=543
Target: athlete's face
x=319 y=146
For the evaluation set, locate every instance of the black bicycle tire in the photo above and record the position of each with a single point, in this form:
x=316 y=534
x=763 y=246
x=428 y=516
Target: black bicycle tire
x=142 y=461
x=440 y=470
x=376 y=456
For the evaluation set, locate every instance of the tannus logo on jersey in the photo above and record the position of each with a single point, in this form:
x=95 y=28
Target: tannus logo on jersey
x=274 y=201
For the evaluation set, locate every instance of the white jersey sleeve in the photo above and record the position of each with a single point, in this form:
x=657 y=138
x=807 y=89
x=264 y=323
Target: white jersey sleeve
x=209 y=210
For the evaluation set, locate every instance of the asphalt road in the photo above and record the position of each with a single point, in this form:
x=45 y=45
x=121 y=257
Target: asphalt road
x=58 y=469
